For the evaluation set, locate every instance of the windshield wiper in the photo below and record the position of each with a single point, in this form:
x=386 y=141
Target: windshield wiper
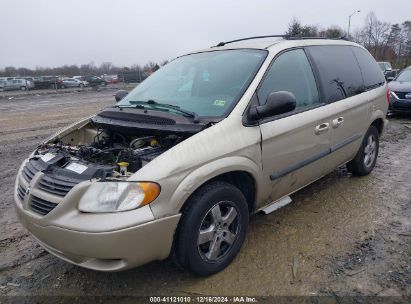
x=194 y=115
x=136 y=105
x=140 y=104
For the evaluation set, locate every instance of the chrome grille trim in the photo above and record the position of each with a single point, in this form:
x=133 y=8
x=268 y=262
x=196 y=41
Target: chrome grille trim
x=54 y=185
x=40 y=205
x=29 y=171
x=21 y=192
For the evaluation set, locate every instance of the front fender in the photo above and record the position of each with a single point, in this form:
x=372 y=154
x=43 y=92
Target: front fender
x=201 y=175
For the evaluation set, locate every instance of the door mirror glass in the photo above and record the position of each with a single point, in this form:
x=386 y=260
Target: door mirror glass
x=277 y=103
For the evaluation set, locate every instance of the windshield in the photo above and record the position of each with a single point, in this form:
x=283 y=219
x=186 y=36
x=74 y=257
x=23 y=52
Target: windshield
x=405 y=76
x=208 y=84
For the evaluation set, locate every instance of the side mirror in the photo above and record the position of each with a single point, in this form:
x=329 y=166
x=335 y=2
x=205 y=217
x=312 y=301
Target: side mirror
x=277 y=103
x=120 y=94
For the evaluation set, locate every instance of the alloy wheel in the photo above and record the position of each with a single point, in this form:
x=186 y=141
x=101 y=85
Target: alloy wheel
x=218 y=231
x=369 y=151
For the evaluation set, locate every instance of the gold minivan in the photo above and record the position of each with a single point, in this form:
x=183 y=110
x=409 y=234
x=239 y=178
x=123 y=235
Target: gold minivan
x=178 y=165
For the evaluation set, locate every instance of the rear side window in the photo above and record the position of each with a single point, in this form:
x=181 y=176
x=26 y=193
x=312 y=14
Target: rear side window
x=291 y=72
x=372 y=74
x=339 y=72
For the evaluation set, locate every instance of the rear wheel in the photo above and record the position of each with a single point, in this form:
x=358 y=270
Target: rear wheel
x=212 y=228
x=364 y=161
x=23 y=88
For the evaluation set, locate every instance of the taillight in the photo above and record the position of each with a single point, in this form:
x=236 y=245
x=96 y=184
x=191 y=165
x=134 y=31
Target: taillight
x=388 y=96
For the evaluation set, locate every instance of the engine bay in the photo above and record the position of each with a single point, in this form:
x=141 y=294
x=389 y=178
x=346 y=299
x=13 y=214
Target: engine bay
x=102 y=152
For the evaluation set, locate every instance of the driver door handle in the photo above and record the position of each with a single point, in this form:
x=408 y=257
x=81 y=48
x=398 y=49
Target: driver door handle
x=324 y=127
x=338 y=122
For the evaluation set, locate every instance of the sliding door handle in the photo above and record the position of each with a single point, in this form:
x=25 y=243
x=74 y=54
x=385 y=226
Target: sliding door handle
x=324 y=127
x=338 y=122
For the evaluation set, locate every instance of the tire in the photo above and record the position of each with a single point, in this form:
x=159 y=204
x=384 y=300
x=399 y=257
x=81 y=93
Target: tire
x=23 y=88
x=366 y=157
x=218 y=211
x=81 y=85
x=62 y=86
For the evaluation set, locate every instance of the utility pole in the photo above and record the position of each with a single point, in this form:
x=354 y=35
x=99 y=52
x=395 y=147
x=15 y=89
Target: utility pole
x=349 y=23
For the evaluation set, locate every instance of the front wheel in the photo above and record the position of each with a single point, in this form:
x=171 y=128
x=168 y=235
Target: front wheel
x=23 y=88
x=366 y=157
x=212 y=228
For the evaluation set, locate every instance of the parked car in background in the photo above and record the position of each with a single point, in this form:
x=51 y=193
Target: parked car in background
x=111 y=79
x=94 y=81
x=16 y=84
x=72 y=82
x=400 y=94
x=387 y=69
x=47 y=82
x=131 y=76
x=385 y=66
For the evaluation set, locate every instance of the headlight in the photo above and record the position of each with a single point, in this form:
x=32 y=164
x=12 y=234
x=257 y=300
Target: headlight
x=118 y=196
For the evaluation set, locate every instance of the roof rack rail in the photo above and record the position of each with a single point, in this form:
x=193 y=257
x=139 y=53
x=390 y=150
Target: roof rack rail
x=303 y=38
x=249 y=38
x=288 y=37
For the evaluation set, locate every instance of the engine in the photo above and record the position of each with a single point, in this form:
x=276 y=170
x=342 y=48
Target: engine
x=109 y=154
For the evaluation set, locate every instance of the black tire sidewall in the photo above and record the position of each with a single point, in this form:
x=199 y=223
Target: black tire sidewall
x=357 y=166
x=200 y=204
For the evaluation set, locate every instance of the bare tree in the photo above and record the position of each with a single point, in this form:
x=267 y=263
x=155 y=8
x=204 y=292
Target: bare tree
x=375 y=35
x=106 y=67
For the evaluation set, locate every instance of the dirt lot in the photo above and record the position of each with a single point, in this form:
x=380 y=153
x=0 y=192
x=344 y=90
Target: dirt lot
x=341 y=236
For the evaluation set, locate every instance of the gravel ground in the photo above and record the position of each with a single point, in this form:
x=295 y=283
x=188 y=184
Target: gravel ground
x=341 y=236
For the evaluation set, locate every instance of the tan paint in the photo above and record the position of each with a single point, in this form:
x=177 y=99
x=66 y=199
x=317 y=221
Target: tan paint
x=116 y=241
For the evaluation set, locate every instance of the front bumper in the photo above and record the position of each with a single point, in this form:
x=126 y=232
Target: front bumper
x=104 y=241
x=107 y=251
x=400 y=106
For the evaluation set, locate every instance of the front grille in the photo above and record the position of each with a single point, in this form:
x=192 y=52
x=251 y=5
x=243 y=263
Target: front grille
x=401 y=95
x=20 y=192
x=55 y=185
x=29 y=170
x=41 y=206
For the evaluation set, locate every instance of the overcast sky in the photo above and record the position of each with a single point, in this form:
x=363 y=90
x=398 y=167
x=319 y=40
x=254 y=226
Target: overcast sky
x=50 y=33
